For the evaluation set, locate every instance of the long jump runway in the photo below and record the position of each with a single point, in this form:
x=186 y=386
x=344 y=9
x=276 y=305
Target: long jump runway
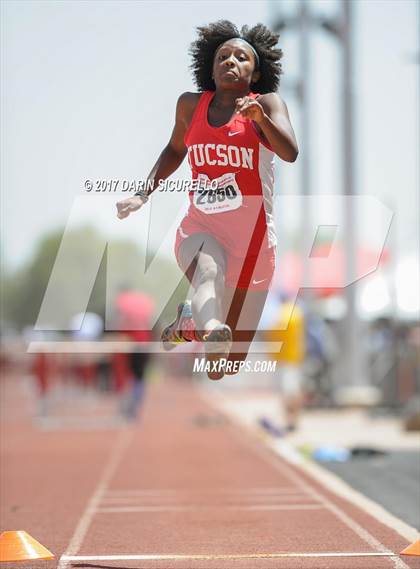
x=175 y=491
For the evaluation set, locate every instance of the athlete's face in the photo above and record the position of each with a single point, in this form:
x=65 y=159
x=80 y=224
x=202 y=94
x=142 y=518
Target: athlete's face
x=234 y=64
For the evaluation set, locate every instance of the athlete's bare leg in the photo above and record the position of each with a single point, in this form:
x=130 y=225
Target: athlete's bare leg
x=203 y=261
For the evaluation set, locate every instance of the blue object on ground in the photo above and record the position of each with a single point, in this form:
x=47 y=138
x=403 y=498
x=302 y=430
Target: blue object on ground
x=331 y=454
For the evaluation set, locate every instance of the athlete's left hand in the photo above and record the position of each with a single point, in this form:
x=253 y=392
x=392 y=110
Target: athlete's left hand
x=250 y=109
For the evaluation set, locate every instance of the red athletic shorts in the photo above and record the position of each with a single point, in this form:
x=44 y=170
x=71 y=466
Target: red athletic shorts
x=253 y=272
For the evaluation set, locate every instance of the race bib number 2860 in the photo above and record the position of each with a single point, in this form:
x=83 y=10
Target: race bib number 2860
x=217 y=195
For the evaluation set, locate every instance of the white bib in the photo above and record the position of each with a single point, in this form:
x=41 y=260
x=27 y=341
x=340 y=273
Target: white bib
x=217 y=195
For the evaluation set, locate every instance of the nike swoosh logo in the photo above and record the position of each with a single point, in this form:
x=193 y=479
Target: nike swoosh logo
x=233 y=133
x=258 y=282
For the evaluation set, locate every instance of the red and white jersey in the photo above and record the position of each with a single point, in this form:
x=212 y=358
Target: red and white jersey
x=234 y=168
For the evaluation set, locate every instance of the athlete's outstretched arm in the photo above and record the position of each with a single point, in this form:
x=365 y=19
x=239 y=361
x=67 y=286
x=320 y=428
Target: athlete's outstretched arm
x=169 y=160
x=270 y=113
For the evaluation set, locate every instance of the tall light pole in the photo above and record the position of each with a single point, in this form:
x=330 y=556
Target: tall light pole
x=355 y=364
x=306 y=171
x=355 y=373
x=302 y=24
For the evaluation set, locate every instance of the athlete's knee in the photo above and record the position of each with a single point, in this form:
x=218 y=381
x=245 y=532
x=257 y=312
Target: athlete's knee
x=208 y=272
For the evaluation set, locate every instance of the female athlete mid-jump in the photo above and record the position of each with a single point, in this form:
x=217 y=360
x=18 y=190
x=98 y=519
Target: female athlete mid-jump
x=225 y=244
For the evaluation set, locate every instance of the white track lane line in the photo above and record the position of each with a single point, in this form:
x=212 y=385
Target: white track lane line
x=190 y=500
x=92 y=508
x=132 y=509
x=86 y=518
x=71 y=558
x=236 y=428
x=177 y=491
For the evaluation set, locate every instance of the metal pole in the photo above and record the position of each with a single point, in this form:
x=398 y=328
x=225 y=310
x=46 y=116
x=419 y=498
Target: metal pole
x=302 y=22
x=355 y=370
x=305 y=145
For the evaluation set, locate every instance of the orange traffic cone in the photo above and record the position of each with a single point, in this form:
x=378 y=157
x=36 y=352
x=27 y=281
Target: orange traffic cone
x=20 y=546
x=413 y=549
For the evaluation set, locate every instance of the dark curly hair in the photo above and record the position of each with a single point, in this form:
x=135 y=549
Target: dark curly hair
x=260 y=37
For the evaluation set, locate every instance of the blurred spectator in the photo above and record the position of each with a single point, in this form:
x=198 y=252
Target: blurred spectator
x=290 y=319
x=321 y=351
x=133 y=313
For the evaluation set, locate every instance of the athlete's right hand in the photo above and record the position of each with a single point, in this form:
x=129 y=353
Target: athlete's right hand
x=127 y=206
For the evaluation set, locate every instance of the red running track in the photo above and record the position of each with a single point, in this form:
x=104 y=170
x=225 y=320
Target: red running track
x=178 y=492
